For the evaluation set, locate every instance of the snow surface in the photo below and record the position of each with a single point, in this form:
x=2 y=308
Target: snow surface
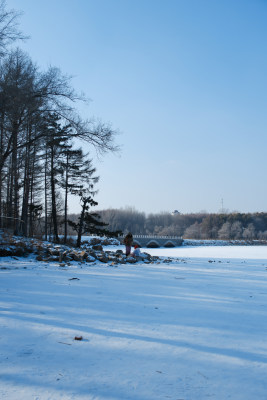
x=192 y=329
x=241 y=252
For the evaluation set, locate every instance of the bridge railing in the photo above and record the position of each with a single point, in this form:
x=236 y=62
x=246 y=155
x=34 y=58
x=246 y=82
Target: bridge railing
x=155 y=237
x=156 y=240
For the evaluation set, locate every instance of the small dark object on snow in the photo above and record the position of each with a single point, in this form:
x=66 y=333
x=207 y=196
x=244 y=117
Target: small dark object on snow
x=78 y=338
x=73 y=279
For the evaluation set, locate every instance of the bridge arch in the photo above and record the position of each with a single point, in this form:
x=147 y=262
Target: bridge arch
x=169 y=243
x=153 y=243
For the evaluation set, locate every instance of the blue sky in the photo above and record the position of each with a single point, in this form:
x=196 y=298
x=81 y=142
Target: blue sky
x=185 y=83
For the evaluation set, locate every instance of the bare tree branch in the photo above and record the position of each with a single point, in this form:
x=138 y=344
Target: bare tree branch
x=9 y=31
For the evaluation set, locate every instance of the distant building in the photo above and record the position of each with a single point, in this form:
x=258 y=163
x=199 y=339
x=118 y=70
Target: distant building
x=176 y=212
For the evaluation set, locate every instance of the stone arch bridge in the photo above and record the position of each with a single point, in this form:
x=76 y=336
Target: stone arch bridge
x=153 y=241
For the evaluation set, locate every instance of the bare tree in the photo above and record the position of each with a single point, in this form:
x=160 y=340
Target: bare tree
x=193 y=231
x=225 y=231
x=236 y=230
x=9 y=28
x=249 y=232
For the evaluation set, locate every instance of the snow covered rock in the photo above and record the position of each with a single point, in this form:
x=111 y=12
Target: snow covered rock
x=131 y=260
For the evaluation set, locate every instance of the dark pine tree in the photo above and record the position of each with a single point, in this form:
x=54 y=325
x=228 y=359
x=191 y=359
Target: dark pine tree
x=77 y=170
x=88 y=222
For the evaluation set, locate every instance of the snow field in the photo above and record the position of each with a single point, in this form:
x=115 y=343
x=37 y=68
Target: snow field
x=192 y=329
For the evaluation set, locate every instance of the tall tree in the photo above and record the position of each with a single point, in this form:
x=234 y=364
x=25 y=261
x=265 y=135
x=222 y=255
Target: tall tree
x=86 y=194
x=77 y=171
x=57 y=144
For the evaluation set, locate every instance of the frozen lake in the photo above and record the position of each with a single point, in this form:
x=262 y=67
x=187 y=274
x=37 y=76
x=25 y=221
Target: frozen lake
x=241 y=252
x=193 y=329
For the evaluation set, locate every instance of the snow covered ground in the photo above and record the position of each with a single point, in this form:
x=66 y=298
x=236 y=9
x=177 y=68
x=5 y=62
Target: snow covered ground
x=192 y=329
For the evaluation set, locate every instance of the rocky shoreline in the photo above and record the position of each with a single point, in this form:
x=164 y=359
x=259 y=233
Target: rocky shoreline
x=90 y=252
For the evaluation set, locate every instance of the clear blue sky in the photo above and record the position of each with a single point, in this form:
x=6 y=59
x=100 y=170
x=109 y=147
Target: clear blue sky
x=185 y=82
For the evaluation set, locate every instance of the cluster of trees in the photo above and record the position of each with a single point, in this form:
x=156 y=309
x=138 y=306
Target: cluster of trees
x=39 y=126
x=233 y=226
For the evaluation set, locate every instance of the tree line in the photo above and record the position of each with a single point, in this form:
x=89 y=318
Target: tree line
x=232 y=226
x=40 y=165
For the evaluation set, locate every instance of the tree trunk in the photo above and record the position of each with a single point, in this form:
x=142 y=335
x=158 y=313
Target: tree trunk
x=15 y=179
x=1 y=172
x=26 y=189
x=45 y=193
x=53 y=198
x=80 y=230
x=66 y=201
x=9 y=197
x=31 y=189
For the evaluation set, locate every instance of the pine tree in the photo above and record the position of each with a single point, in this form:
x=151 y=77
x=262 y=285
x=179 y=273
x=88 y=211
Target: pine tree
x=87 y=222
x=76 y=170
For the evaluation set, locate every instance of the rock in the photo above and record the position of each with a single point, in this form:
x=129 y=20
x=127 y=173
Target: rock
x=20 y=252
x=95 y=241
x=91 y=252
x=78 y=256
x=131 y=260
x=121 y=260
x=103 y=258
x=112 y=258
x=5 y=252
x=106 y=242
x=97 y=247
x=53 y=252
x=13 y=251
x=110 y=241
x=74 y=256
x=146 y=256
x=65 y=255
x=90 y=259
x=83 y=255
x=53 y=258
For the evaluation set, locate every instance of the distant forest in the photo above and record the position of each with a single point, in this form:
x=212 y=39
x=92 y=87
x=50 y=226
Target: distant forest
x=233 y=226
